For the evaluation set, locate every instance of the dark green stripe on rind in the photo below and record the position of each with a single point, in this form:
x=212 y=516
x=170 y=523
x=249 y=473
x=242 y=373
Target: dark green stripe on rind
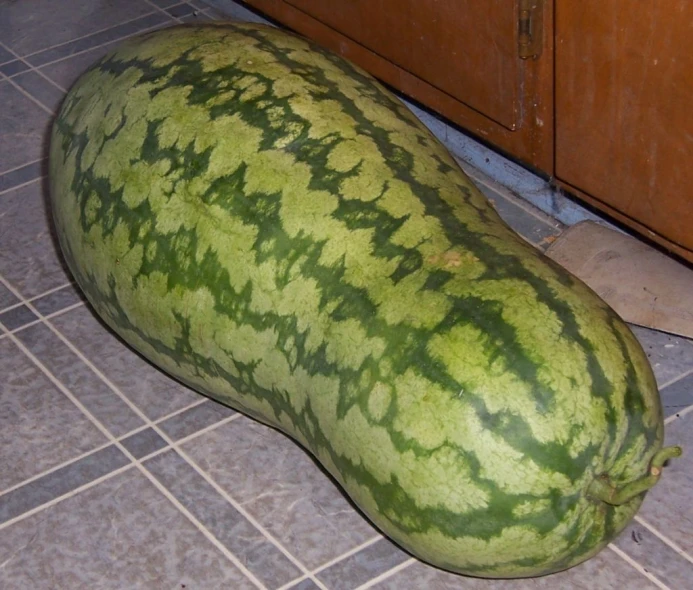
x=357 y=292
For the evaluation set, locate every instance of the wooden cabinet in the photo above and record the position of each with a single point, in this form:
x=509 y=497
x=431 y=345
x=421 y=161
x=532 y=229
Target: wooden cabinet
x=458 y=57
x=476 y=38
x=624 y=109
x=603 y=109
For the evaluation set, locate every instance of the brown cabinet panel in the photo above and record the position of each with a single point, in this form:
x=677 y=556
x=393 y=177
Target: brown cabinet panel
x=458 y=57
x=467 y=48
x=624 y=116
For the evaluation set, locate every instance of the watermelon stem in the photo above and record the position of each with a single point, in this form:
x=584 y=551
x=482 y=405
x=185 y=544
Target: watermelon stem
x=602 y=489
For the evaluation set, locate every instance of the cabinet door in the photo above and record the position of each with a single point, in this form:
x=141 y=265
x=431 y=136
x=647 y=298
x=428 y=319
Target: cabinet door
x=457 y=57
x=624 y=116
x=465 y=48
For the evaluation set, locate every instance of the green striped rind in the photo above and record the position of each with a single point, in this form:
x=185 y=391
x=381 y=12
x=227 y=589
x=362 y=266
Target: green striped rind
x=268 y=224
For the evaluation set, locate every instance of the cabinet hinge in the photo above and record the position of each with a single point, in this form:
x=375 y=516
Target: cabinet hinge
x=530 y=28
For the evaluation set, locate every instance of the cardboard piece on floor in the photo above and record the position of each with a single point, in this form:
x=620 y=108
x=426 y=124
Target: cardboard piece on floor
x=644 y=286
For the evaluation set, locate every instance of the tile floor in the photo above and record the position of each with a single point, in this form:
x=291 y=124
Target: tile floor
x=114 y=476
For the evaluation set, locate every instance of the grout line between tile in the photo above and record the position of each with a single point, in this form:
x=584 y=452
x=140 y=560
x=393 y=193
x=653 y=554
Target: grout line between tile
x=160 y=432
x=292 y=583
x=134 y=462
x=122 y=437
x=163 y=10
x=41 y=319
x=687 y=410
x=28 y=182
x=35 y=297
x=385 y=575
x=676 y=379
x=49 y=291
x=138 y=32
x=125 y=22
x=678 y=415
x=10 y=51
x=24 y=326
x=33 y=99
x=37 y=72
x=65 y=390
x=682 y=552
x=108 y=475
x=190 y=406
x=346 y=554
x=10 y=170
x=69 y=394
x=53 y=82
x=239 y=507
x=635 y=565
x=207 y=429
x=32 y=68
x=66 y=496
x=37 y=69
x=137 y=464
x=208 y=534
x=58 y=312
x=65 y=463
x=11 y=307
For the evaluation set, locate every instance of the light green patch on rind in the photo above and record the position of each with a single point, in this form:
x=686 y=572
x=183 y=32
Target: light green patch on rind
x=432 y=418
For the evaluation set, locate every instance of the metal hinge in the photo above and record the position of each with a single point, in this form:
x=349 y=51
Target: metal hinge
x=530 y=28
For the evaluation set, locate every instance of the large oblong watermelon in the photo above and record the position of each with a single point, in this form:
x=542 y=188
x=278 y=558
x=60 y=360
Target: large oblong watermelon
x=268 y=224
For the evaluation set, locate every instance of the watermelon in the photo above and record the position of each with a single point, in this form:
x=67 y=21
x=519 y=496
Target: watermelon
x=269 y=225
